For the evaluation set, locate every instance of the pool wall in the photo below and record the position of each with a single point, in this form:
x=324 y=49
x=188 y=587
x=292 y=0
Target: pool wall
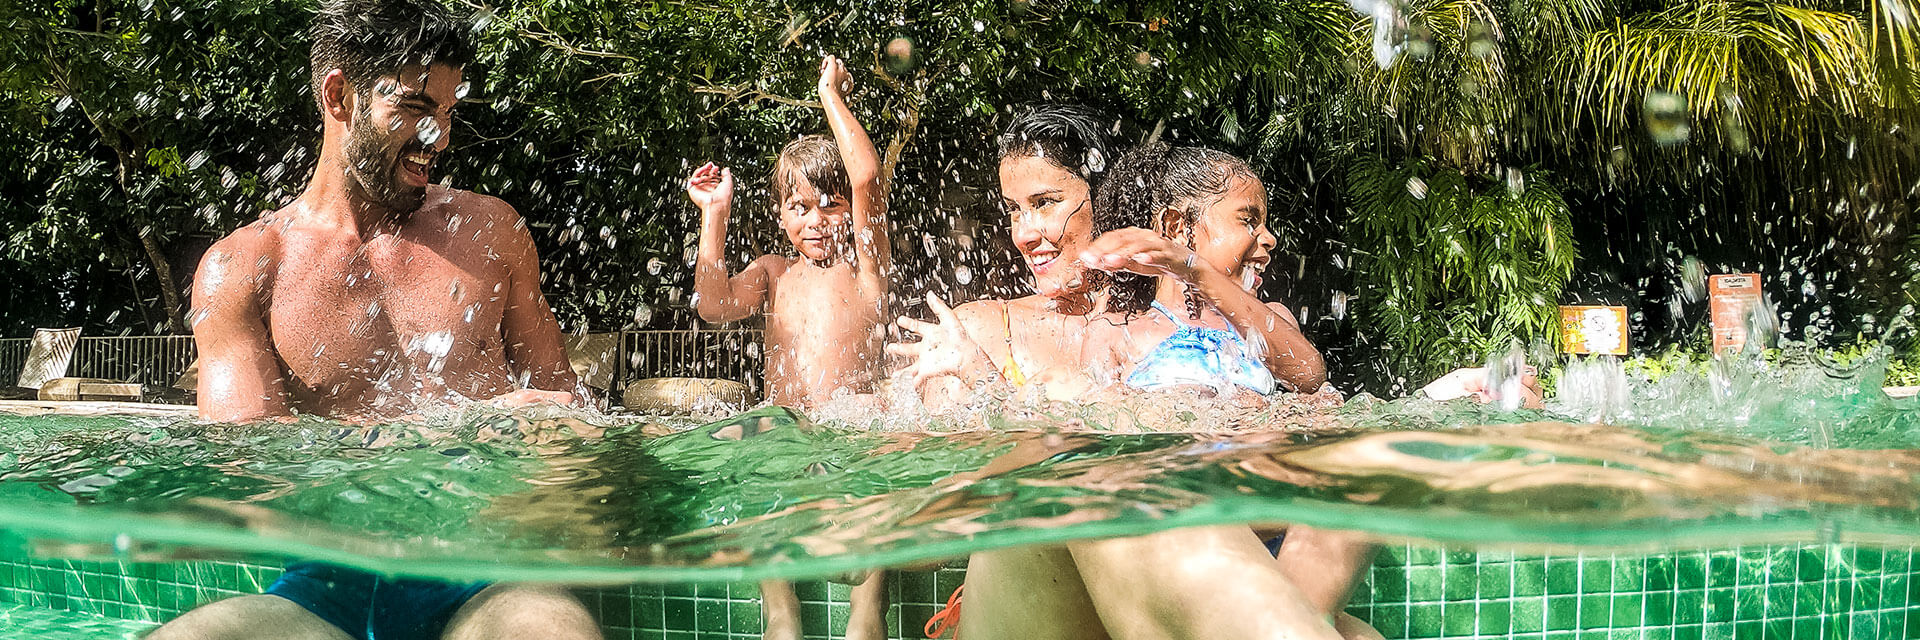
x=1772 y=592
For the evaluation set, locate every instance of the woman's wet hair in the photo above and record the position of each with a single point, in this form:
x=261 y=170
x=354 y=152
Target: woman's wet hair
x=1068 y=135
x=371 y=39
x=1155 y=177
x=816 y=160
x=1075 y=139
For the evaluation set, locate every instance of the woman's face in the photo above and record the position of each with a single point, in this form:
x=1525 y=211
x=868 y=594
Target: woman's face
x=1231 y=233
x=1052 y=219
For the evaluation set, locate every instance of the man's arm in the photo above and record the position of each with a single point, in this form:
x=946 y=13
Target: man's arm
x=240 y=377
x=532 y=335
x=870 y=243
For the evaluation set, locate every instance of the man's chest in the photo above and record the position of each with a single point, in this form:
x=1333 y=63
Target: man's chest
x=351 y=308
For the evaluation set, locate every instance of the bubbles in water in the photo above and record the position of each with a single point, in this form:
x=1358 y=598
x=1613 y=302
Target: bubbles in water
x=1666 y=115
x=962 y=274
x=655 y=266
x=1417 y=187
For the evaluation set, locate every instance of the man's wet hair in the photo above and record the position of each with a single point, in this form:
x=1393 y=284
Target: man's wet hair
x=370 y=39
x=1155 y=177
x=816 y=160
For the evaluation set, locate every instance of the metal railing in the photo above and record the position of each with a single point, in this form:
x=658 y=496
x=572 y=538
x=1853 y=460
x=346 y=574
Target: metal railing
x=159 y=361
x=727 y=354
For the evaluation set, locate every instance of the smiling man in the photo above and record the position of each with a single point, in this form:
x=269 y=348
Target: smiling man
x=371 y=295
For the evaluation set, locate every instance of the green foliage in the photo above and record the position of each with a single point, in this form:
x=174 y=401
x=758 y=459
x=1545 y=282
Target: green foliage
x=1450 y=270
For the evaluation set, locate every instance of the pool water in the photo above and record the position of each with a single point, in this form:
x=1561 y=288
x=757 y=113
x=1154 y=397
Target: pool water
x=1631 y=528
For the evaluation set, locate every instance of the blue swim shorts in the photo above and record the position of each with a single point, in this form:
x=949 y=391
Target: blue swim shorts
x=372 y=607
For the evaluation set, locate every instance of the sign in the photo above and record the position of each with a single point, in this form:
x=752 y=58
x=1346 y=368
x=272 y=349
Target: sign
x=1593 y=329
x=1732 y=298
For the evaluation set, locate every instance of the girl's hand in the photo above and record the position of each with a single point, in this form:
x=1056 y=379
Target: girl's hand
x=1140 y=251
x=711 y=187
x=945 y=348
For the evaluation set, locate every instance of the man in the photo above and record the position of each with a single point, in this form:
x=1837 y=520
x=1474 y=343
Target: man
x=370 y=295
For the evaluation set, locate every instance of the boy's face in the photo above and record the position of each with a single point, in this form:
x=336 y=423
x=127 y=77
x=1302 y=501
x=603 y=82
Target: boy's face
x=1231 y=233
x=815 y=222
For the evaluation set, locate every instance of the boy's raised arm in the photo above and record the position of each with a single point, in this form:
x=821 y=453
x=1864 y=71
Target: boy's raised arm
x=721 y=298
x=869 y=205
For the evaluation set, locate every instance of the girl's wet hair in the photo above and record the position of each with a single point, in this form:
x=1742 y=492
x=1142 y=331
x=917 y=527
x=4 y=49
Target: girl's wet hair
x=371 y=39
x=1153 y=178
x=816 y=160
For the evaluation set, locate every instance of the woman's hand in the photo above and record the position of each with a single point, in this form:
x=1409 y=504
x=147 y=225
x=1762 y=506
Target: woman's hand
x=945 y=348
x=1141 y=251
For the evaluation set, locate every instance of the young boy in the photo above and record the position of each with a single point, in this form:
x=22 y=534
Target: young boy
x=824 y=309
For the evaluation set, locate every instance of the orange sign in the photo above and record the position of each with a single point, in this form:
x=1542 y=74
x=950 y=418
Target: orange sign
x=1593 y=329
x=1732 y=297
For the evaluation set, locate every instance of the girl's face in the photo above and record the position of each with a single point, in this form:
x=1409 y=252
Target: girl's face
x=1051 y=211
x=1231 y=232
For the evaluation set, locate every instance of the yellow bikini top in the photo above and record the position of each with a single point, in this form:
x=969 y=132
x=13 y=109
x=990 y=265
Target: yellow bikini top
x=1011 y=370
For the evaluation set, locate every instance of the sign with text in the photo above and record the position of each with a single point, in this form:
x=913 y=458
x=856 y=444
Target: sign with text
x=1593 y=329
x=1732 y=298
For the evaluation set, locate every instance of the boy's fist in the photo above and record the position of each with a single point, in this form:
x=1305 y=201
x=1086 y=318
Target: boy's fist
x=834 y=79
x=711 y=186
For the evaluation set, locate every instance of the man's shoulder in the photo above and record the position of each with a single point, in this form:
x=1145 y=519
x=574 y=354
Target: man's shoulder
x=476 y=204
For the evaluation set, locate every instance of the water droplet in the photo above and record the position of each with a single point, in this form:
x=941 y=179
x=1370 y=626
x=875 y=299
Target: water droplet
x=979 y=26
x=1337 y=307
x=1693 y=279
x=196 y=159
x=642 y=315
x=1417 y=187
x=429 y=133
x=460 y=91
x=962 y=274
x=1096 y=161
x=655 y=266
x=1666 y=116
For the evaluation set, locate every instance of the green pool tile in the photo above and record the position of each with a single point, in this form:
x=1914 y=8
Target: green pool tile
x=1721 y=571
x=1688 y=632
x=1457 y=618
x=1424 y=556
x=678 y=613
x=815 y=618
x=1390 y=586
x=1461 y=583
x=1692 y=571
x=1658 y=610
x=1425 y=617
x=1749 y=603
x=710 y=590
x=1594 y=612
x=1529 y=577
x=1494 y=618
x=1529 y=615
x=1563 y=576
x=649 y=614
x=1627 y=608
x=1494 y=583
x=1392 y=621
x=1719 y=605
x=1596 y=576
x=1424 y=584
x=709 y=615
x=1563 y=613
x=1658 y=634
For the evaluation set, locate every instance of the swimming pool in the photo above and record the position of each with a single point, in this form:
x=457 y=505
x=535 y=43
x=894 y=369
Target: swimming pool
x=691 y=500
x=1795 y=592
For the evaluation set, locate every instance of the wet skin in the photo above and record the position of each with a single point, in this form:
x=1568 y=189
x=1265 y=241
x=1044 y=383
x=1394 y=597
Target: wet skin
x=824 y=309
x=346 y=304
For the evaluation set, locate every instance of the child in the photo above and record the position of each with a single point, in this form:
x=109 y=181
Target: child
x=824 y=309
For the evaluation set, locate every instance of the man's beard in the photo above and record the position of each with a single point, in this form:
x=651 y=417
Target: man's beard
x=377 y=174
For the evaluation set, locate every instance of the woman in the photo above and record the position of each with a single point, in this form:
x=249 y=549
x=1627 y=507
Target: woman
x=1211 y=582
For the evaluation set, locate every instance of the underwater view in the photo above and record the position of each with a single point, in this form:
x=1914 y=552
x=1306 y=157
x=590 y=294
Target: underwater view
x=1024 y=319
